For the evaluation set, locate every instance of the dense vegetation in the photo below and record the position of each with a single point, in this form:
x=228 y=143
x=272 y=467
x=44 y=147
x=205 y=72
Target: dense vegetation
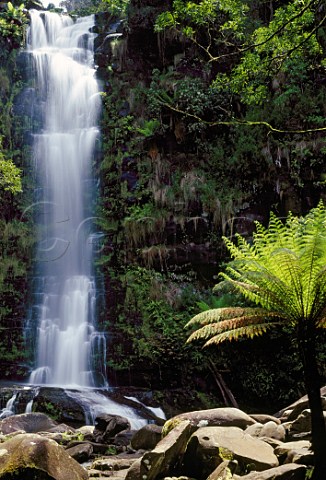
x=216 y=120
x=16 y=235
x=213 y=115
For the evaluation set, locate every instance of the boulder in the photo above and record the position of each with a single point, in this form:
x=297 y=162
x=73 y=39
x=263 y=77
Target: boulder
x=35 y=4
x=113 y=463
x=273 y=430
x=303 y=405
x=13 y=434
x=62 y=428
x=162 y=460
x=28 y=422
x=33 y=456
x=210 y=446
x=302 y=424
x=225 y=416
x=298 y=406
x=264 y=418
x=60 y=438
x=254 y=430
x=270 y=429
x=271 y=441
x=123 y=439
x=115 y=475
x=224 y=471
x=147 y=437
x=183 y=477
x=87 y=432
x=302 y=457
x=134 y=472
x=107 y=426
x=283 y=472
x=286 y=452
x=56 y=402
x=81 y=452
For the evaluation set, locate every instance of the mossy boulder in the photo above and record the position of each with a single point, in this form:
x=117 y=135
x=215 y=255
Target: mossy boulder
x=33 y=457
x=224 y=416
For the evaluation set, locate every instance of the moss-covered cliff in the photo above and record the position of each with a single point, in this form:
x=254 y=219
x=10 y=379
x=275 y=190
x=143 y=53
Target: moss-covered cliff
x=183 y=164
x=16 y=237
x=196 y=144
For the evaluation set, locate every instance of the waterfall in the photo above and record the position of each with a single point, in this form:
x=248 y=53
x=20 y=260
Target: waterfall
x=9 y=408
x=63 y=148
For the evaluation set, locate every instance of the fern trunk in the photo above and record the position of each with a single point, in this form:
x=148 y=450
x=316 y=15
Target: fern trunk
x=307 y=345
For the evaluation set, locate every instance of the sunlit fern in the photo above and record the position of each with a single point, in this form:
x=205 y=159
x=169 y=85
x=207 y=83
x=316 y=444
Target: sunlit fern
x=282 y=271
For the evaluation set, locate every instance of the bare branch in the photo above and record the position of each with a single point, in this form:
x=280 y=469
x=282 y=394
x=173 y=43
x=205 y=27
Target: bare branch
x=234 y=122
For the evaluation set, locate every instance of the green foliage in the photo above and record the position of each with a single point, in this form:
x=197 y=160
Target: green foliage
x=87 y=7
x=111 y=450
x=149 y=127
x=153 y=317
x=286 y=39
x=256 y=51
x=143 y=221
x=12 y=25
x=16 y=242
x=15 y=13
x=116 y=7
x=9 y=176
x=185 y=16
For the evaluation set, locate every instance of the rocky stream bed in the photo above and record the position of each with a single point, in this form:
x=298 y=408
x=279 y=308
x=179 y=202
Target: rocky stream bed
x=216 y=444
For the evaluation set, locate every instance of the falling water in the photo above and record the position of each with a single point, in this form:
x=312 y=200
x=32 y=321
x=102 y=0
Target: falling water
x=9 y=408
x=69 y=103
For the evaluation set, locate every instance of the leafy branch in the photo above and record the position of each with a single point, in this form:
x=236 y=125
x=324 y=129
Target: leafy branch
x=171 y=20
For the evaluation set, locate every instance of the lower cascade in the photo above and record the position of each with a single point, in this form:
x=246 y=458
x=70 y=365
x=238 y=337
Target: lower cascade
x=67 y=106
x=76 y=407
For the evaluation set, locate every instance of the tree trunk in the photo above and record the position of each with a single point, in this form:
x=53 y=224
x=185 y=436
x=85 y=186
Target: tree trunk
x=313 y=385
x=225 y=391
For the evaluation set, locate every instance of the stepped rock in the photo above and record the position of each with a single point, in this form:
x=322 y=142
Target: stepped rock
x=164 y=456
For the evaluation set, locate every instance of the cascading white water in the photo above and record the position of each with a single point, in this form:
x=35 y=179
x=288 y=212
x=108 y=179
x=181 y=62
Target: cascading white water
x=9 y=408
x=69 y=101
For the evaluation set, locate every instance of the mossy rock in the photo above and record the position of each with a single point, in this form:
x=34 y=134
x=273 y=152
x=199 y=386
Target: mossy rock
x=31 y=456
x=170 y=425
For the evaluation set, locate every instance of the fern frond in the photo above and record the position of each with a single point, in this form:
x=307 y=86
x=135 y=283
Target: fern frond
x=321 y=323
x=249 y=332
x=250 y=318
x=275 y=283
x=215 y=315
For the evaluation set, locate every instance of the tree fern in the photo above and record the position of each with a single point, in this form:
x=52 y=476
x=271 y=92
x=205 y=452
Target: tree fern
x=283 y=272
